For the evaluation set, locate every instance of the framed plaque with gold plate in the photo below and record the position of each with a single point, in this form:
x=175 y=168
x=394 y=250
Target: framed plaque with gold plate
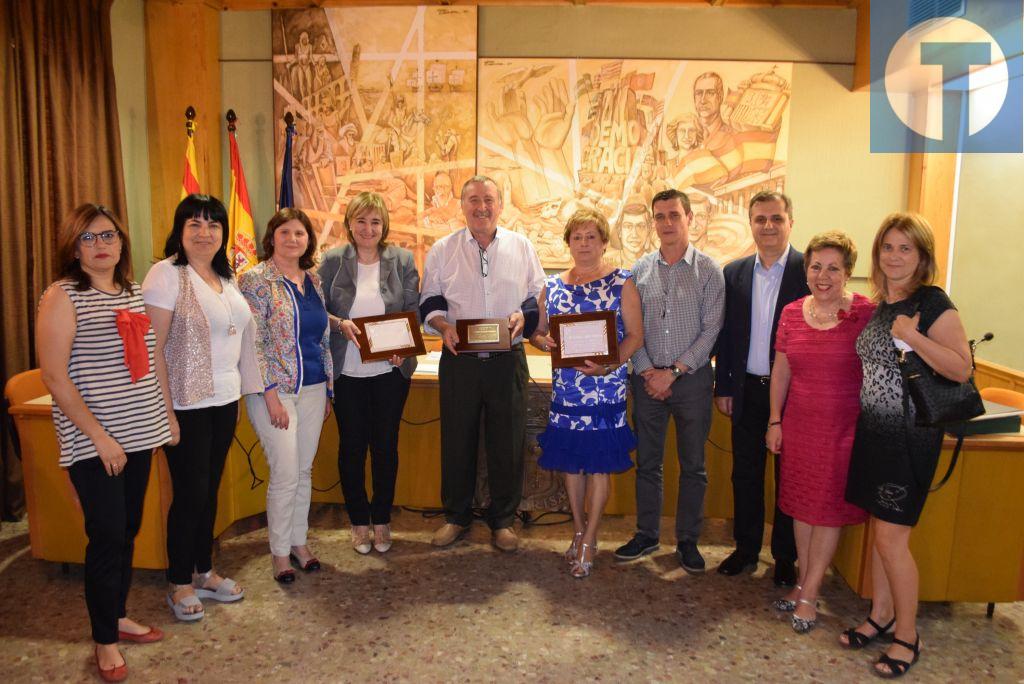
x=584 y=337
x=387 y=335
x=483 y=335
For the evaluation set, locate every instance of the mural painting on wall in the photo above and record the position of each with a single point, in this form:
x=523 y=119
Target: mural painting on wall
x=384 y=100
x=560 y=134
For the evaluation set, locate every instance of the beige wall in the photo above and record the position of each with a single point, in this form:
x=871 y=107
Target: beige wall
x=246 y=87
x=987 y=283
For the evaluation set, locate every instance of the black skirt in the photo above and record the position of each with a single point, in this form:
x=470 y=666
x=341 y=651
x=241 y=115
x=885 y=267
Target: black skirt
x=891 y=471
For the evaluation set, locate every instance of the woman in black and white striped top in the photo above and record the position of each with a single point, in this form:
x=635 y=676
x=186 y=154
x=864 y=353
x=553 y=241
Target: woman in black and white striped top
x=95 y=348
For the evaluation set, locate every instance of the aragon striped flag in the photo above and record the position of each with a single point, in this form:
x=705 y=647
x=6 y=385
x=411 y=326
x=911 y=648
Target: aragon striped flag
x=190 y=179
x=242 y=233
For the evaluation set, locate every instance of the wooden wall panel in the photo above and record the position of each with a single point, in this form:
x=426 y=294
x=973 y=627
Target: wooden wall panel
x=182 y=69
x=931 y=193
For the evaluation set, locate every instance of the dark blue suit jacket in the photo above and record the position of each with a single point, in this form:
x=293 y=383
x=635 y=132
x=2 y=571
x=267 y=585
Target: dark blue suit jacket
x=733 y=345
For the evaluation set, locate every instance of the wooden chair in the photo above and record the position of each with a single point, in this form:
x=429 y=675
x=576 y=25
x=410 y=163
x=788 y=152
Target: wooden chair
x=25 y=386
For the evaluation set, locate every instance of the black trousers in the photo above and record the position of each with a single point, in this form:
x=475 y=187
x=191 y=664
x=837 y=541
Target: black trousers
x=748 y=463
x=494 y=388
x=369 y=414
x=196 y=464
x=112 y=507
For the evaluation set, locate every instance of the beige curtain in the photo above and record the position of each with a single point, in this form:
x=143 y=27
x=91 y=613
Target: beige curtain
x=59 y=146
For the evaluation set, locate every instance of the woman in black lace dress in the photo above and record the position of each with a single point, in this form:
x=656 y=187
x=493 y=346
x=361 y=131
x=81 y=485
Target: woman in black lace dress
x=893 y=461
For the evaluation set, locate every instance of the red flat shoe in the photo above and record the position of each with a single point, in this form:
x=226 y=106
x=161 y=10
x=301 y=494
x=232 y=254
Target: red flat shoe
x=154 y=634
x=114 y=674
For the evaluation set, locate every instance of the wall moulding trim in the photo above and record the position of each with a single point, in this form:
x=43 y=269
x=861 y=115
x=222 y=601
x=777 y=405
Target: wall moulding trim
x=307 y=4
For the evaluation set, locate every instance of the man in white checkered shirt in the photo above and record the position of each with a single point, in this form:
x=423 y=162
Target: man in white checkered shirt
x=682 y=291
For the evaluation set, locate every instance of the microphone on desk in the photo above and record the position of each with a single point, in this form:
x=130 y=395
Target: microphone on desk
x=973 y=344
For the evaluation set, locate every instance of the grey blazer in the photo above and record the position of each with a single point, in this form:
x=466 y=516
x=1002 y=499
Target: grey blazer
x=399 y=286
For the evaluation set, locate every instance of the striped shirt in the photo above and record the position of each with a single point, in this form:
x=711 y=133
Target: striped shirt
x=132 y=413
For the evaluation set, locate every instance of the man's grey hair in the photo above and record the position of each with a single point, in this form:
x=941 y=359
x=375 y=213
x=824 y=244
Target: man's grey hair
x=480 y=179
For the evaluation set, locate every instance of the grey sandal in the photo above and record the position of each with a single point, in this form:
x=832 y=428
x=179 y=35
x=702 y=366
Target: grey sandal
x=223 y=593
x=181 y=608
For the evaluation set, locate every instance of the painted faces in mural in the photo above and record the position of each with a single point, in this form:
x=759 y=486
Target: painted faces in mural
x=708 y=93
x=635 y=233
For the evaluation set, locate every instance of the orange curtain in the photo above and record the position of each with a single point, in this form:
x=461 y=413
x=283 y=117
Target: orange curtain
x=59 y=146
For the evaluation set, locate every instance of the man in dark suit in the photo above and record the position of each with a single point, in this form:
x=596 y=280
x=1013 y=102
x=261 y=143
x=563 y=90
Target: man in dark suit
x=757 y=288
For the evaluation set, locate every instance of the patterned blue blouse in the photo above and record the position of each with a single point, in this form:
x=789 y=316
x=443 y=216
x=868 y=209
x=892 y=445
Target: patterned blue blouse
x=587 y=430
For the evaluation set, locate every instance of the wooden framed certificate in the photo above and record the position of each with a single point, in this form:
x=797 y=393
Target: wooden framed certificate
x=387 y=335
x=584 y=337
x=483 y=335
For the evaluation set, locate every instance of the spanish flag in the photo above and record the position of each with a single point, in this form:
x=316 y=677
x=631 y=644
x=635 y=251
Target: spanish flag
x=242 y=235
x=190 y=179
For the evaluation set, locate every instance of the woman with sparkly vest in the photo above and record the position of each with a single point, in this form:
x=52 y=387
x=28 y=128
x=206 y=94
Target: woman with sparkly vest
x=204 y=343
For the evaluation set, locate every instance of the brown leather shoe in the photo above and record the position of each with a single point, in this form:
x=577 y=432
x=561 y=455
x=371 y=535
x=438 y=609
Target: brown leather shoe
x=505 y=539
x=448 y=534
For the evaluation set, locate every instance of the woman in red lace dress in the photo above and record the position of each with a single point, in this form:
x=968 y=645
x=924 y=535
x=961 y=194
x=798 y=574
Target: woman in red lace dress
x=815 y=400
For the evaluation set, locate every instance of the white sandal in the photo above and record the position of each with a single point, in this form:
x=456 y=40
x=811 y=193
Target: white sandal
x=224 y=591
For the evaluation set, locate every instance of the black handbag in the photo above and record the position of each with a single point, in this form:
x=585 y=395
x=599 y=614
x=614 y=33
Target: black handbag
x=938 y=401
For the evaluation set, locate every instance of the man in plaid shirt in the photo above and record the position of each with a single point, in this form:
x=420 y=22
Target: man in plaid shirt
x=682 y=291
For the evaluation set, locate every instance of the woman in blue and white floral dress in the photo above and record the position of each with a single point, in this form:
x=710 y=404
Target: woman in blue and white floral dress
x=587 y=436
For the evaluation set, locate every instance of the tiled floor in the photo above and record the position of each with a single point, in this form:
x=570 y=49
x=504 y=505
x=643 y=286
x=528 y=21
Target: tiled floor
x=471 y=613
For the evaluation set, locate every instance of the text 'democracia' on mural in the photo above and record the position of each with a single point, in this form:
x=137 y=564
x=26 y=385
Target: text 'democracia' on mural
x=384 y=99
x=561 y=134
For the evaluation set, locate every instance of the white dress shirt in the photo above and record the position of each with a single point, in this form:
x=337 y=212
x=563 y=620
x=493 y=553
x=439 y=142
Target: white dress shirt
x=455 y=270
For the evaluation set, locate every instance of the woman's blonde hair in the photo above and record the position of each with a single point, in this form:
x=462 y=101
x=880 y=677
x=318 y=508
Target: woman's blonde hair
x=915 y=227
x=584 y=216
x=833 y=239
x=363 y=203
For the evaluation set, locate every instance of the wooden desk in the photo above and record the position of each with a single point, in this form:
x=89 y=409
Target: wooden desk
x=56 y=528
x=969 y=543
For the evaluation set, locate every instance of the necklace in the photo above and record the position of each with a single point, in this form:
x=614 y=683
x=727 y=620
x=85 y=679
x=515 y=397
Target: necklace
x=222 y=298
x=828 y=315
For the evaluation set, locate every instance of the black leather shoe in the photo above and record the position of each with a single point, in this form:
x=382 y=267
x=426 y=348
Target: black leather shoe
x=639 y=545
x=285 y=576
x=312 y=565
x=690 y=558
x=736 y=564
x=785 y=573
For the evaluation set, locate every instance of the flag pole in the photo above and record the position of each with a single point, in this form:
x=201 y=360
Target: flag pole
x=286 y=197
x=190 y=177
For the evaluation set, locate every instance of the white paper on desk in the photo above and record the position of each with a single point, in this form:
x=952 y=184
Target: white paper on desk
x=586 y=338
x=387 y=335
x=429 y=363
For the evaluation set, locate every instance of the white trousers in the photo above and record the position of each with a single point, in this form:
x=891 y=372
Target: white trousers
x=290 y=455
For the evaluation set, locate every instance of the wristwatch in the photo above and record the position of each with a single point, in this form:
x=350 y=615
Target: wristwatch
x=676 y=373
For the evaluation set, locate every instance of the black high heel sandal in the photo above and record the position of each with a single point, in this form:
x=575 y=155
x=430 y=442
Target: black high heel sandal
x=897 y=667
x=857 y=640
